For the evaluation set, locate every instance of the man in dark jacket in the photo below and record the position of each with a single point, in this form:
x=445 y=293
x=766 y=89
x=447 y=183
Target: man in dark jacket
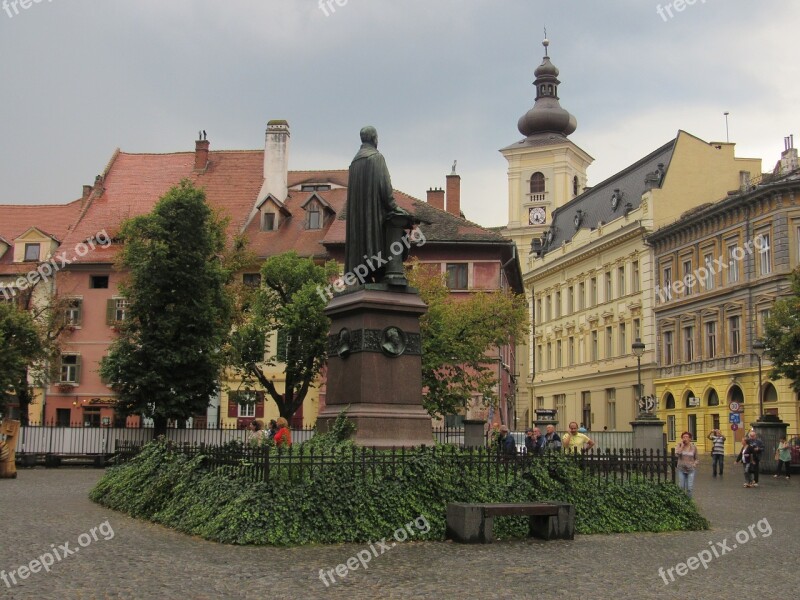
x=534 y=441
x=508 y=447
x=757 y=449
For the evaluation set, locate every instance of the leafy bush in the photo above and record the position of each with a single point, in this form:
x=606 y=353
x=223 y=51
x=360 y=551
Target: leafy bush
x=341 y=504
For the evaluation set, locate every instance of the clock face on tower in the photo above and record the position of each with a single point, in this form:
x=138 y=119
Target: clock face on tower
x=536 y=216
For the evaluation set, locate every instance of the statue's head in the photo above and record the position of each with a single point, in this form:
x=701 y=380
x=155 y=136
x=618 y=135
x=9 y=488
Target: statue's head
x=369 y=135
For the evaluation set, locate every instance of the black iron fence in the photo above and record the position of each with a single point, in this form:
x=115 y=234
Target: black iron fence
x=265 y=463
x=78 y=440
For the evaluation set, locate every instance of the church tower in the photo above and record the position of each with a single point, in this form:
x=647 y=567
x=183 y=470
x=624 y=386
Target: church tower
x=545 y=169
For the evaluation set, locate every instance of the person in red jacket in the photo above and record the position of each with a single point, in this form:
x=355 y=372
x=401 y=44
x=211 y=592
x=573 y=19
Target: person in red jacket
x=283 y=437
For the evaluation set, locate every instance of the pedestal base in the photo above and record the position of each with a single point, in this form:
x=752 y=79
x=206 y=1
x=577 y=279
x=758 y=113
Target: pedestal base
x=769 y=430
x=648 y=433
x=375 y=367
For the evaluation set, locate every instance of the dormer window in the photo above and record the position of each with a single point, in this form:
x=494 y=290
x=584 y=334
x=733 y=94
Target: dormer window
x=314 y=216
x=315 y=187
x=268 y=221
x=32 y=252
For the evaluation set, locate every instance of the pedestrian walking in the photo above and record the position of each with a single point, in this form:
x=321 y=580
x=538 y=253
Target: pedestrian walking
x=745 y=457
x=686 y=452
x=783 y=455
x=717 y=451
x=757 y=448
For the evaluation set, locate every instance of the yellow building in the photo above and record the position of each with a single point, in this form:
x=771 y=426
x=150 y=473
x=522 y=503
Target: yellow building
x=719 y=269
x=590 y=280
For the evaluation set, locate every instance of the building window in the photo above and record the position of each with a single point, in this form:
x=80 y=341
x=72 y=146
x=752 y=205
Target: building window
x=571 y=347
x=734 y=328
x=549 y=356
x=609 y=290
x=669 y=401
x=611 y=408
x=314 y=216
x=609 y=342
x=765 y=254
x=268 y=221
x=251 y=279
x=667 y=347
x=688 y=279
x=537 y=183
x=582 y=295
x=571 y=300
x=98 y=282
x=635 y=287
x=73 y=312
x=594 y=346
x=315 y=187
x=671 y=429
x=666 y=282
x=623 y=339
x=620 y=281
x=763 y=315
x=540 y=357
x=708 y=262
x=713 y=400
x=116 y=310
x=711 y=339
x=558 y=305
x=70 y=368
x=538 y=310
x=559 y=362
x=32 y=252
x=548 y=304
x=575 y=185
x=560 y=402
x=637 y=329
x=247 y=410
x=539 y=401
x=733 y=264
x=688 y=344
x=457 y=276
x=593 y=292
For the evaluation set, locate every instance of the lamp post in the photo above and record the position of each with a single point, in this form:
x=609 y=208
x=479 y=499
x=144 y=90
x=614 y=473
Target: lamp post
x=638 y=350
x=758 y=350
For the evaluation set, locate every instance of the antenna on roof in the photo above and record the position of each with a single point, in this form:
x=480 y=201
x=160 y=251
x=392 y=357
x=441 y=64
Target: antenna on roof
x=727 y=137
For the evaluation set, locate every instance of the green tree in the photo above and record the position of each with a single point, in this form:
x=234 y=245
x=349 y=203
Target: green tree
x=20 y=348
x=288 y=302
x=457 y=334
x=167 y=360
x=782 y=335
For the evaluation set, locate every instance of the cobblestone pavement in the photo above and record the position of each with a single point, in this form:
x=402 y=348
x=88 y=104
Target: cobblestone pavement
x=43 y=509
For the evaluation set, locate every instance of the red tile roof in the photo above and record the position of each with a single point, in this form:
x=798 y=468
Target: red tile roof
x=51 y=219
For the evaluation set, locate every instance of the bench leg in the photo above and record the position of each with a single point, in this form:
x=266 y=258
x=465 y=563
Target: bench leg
x=467 y=524
x=556 y=527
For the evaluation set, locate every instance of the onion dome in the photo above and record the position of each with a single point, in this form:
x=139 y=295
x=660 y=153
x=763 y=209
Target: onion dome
x=546 y=116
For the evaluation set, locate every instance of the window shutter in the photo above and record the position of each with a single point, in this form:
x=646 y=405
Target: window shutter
x=259 y=405
x=233 y=406
x=77 y=369
x=111 y=309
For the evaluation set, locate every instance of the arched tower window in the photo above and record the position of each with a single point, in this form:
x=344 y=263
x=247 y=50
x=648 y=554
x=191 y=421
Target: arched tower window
x=669 y=401
x=537 y=183
x=575 y=185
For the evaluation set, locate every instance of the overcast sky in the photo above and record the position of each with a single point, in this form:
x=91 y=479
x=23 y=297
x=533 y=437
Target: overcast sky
x=439 y=79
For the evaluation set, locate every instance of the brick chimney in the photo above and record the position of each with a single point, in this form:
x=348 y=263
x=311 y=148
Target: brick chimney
x=454 y=194
x=436 y=198
x=276 y=160
x=201 y=155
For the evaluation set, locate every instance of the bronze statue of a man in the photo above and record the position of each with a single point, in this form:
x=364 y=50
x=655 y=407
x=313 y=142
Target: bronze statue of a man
x=370 y=203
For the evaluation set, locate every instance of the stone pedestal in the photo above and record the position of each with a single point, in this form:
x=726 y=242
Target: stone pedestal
x=769 y=430
x=375 y=366
x=474 y=433
x=648 y=432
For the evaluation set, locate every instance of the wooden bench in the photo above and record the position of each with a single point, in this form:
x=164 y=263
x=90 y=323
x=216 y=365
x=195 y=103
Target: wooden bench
x=471 y=523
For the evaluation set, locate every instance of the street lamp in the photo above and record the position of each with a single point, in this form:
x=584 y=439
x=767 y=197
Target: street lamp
x=758 y=350
x=638 y=350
